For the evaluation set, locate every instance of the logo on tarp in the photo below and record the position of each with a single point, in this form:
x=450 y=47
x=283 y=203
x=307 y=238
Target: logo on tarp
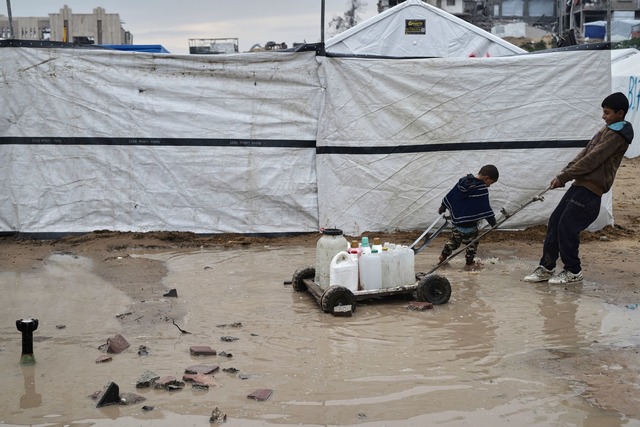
x=415 y=26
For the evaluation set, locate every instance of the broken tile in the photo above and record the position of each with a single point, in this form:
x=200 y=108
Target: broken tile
x=200 y=380
x=168 y=382
x=202 y=350
x=260 y=394
x=420 y=305
x=201 y=369
x=117 y=344
x=109 y=396
x=147 y=379
x=131 y=398
x=103 y=359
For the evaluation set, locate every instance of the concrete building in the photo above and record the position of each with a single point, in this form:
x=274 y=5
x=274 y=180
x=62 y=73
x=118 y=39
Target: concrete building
x=98 y=27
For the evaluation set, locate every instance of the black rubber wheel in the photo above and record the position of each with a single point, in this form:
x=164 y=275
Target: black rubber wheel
x=434 y=288
x=301 y=274
x=338 y=300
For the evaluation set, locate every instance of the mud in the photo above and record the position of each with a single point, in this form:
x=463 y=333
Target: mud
x=501 y=352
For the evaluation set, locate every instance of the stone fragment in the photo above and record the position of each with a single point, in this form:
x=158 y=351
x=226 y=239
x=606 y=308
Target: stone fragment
x=260 y=394
x=61 y=326
x=131 y=398
x=200 y=380
x=217 y=416
x=117 y=344
x=103 y=359
x=169 y=382
x=109 y=396
x=172 y=293
x=147 y=379
x=202 y=350
x=225 y=354
x=143 y=351
x=420 y=305
x=231 y=370
x=201 y=369
x=147 y=408
x=229 y=339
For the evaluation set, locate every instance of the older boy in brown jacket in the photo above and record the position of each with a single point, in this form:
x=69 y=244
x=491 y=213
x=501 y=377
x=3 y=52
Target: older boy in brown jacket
x=592 y=171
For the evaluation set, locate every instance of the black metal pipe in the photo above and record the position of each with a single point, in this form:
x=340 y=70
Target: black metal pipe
x=27 y=326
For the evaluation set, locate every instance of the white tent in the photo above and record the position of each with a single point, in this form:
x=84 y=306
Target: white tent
x=417 y=29
x=625 y=78
x=281 y=142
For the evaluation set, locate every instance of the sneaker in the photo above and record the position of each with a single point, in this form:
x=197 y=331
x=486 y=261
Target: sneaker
x=540 y=274
x=565 y=276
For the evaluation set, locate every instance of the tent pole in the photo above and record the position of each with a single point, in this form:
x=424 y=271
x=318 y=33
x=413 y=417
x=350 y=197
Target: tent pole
x=10 y=19
x=321 y=22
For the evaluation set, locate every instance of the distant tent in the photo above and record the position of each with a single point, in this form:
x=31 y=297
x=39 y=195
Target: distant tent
x=415 y=29
x=595 y=30
x=150 y=48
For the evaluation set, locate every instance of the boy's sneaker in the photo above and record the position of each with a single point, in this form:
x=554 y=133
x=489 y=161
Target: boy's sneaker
x=565 y=276
x=540 y=274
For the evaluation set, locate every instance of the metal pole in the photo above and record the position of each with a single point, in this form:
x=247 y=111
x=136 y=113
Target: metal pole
x=609 y=21
x=321 y=22
x=10 y=19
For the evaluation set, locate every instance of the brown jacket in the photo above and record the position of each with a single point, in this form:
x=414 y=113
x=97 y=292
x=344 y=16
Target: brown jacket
x=596 y=165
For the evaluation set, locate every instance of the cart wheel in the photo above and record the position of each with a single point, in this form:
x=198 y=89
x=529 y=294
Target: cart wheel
x=338 y=300
x=297 y=282
x=434 y=288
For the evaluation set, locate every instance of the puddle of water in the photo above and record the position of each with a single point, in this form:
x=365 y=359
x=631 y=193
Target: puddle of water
x=474 y=361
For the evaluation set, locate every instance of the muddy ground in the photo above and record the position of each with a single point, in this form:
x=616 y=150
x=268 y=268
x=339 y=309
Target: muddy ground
x=610 y=261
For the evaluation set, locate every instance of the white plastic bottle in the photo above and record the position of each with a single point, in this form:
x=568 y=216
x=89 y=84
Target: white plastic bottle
x=364 y=245
x=344 y=271
x=331 y=242
x=389 y=267
x=370 y=271
x=406 y=266
x=376 y=245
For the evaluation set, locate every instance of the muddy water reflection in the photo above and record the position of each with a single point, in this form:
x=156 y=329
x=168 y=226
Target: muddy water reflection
x=478 y=360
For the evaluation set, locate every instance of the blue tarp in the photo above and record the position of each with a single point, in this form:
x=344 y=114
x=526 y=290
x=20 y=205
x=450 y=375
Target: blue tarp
x=152 y=48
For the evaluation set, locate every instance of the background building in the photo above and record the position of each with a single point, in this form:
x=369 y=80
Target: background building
x=98 y=27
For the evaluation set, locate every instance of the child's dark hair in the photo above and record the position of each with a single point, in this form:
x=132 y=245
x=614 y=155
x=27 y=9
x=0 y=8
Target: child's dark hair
x=490 y=171
x=616 y=101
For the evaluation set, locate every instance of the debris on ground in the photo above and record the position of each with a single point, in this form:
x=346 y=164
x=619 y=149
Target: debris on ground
x=169 y=382
x=225 y=354
x=143 y=351
x=116 y=344
x=131 y=398
x=420 y=305
x=103 y=359
x=217 y=416
x=230 y=325
x=201 y=369
x=147 y=379
x=172 y=294
x=229 y=339
x=260 y=394
x=201 y=350
x=109 y=396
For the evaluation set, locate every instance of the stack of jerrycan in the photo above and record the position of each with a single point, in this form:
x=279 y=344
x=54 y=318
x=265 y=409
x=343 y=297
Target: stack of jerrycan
x=385 y=266
x=359 y=266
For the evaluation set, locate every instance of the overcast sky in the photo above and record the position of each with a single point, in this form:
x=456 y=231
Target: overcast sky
x=173 y=23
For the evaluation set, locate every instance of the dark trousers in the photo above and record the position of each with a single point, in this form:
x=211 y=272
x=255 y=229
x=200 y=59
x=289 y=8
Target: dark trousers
x=576 y=211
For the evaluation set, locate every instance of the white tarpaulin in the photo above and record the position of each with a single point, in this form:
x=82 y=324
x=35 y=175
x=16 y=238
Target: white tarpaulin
x=394 y=136
x=417 y=29
x=137 y=142
x=625 y=78
x=95 y=139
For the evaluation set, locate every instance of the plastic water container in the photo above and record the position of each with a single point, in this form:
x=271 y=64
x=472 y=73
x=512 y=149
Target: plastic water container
x=356 y=252
x=370 y=271
x=328 y=246
x=389 y=267
x=377 y=245
x=344 y=271
x=364 y=245
x=406 y=265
